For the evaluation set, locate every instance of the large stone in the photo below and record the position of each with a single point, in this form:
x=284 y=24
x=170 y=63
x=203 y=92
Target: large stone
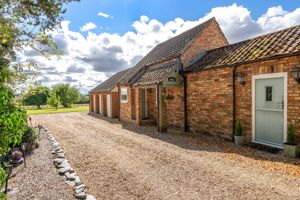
x=59 y=160
x=80 y=195
x=77 y=181
x=70 y=177
x=60 y=155
x=79 y=190
x=90 y=197
x=79 y=186
x=71 y=183
x=64 y=170
x=64 y=164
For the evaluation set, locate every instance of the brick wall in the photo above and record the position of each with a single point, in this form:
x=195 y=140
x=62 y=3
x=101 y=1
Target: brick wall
x=151 y=103
x=210 y=101
x=211 y=38
x=210 y=97
x=244 y=93
x=175 y=107
x=125 y=108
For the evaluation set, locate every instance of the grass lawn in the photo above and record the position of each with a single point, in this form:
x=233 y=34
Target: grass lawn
x=83 y=108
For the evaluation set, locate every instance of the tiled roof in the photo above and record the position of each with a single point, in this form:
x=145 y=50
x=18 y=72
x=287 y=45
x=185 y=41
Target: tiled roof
x=110 y=83
x=155 y=74
x=169 y=49
x=284 y=42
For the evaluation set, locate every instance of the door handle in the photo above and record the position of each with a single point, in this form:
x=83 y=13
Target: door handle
x=282 y=105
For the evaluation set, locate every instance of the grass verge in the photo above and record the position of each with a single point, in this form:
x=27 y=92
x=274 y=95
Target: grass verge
x=59 y=110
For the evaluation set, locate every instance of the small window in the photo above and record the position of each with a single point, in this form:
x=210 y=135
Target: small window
x=124 y=95
x=269 y=93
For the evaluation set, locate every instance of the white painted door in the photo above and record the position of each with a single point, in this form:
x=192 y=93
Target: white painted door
x=100 y=103
x=108 y=103
x=269 y=111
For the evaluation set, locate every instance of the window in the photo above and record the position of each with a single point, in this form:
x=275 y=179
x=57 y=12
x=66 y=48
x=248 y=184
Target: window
x=124 y=95
x=269 y=93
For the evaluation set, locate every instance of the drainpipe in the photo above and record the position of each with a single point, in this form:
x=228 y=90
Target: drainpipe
x=184 y=76
x=185 y=102
x=233 y=102
x=158 y=98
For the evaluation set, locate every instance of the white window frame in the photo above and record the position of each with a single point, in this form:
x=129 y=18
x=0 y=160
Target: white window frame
x=123 y=91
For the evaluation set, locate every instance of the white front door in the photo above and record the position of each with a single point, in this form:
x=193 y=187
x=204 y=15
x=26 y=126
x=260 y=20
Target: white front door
x=108 y=103
x=100 y=103
x=269 y=109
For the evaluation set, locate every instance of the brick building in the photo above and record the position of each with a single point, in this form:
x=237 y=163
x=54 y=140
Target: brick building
x=104 y=99
x=197 y=82
x=145 y=85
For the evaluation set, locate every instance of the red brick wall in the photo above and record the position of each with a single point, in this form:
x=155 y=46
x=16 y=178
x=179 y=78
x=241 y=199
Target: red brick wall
x=210 y=97
x=175 y=107
x=211 y=38
x=151 y=103
x=125 y=108
x=244 y=94
x=210 y=101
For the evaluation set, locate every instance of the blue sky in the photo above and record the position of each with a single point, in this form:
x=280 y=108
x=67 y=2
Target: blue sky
x=97 y=45
x=124 y=12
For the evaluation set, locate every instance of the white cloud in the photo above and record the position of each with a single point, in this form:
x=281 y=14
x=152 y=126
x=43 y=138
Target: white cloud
x=89 y=59
x=105 y=15
x=88 y=26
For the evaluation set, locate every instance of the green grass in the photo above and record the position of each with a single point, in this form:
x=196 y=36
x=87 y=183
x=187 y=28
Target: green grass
x=59 y=110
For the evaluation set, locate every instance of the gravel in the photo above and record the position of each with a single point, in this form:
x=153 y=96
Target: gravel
x=119 y=161
x=39 y=180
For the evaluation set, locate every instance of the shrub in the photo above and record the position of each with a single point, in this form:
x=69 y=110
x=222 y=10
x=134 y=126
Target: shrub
x=239 y=129
x=29 y=138
x=291 y=136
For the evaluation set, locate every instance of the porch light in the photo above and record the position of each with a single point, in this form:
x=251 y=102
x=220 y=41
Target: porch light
x=295 y=73
x=240 y=78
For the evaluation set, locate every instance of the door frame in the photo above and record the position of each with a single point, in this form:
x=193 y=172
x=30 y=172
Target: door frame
x=268 y=76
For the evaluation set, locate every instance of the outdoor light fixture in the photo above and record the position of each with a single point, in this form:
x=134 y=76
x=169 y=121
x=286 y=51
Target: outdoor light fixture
x=295 y=73
x=240 y=78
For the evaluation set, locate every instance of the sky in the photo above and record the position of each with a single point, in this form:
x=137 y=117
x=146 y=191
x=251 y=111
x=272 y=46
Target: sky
x=101 y=37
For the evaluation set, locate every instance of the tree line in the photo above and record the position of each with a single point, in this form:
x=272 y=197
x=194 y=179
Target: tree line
x=61 y=94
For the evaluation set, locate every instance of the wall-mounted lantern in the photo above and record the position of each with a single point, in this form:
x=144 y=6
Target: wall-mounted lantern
x=240 y=78
x=295 y=73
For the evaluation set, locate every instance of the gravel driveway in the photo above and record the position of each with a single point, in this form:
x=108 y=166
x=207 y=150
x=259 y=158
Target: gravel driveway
x=118 y=161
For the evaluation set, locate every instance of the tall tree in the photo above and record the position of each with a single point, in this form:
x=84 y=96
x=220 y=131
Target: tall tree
x=36 y=96
x=68 y=95
x=53 y=100
x=23 y=23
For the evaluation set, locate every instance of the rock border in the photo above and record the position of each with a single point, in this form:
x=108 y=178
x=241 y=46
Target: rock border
x=65 y=169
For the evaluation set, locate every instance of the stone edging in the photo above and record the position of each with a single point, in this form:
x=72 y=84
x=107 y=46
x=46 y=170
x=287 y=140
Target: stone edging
x=64 y=168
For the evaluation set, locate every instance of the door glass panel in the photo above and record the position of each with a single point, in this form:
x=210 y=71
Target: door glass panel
x=269 y=93
x=269 y=118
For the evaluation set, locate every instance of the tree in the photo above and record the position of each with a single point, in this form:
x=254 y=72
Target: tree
x=23 y=23
x=68 y=95
x=36 y=96
x=53 y=100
